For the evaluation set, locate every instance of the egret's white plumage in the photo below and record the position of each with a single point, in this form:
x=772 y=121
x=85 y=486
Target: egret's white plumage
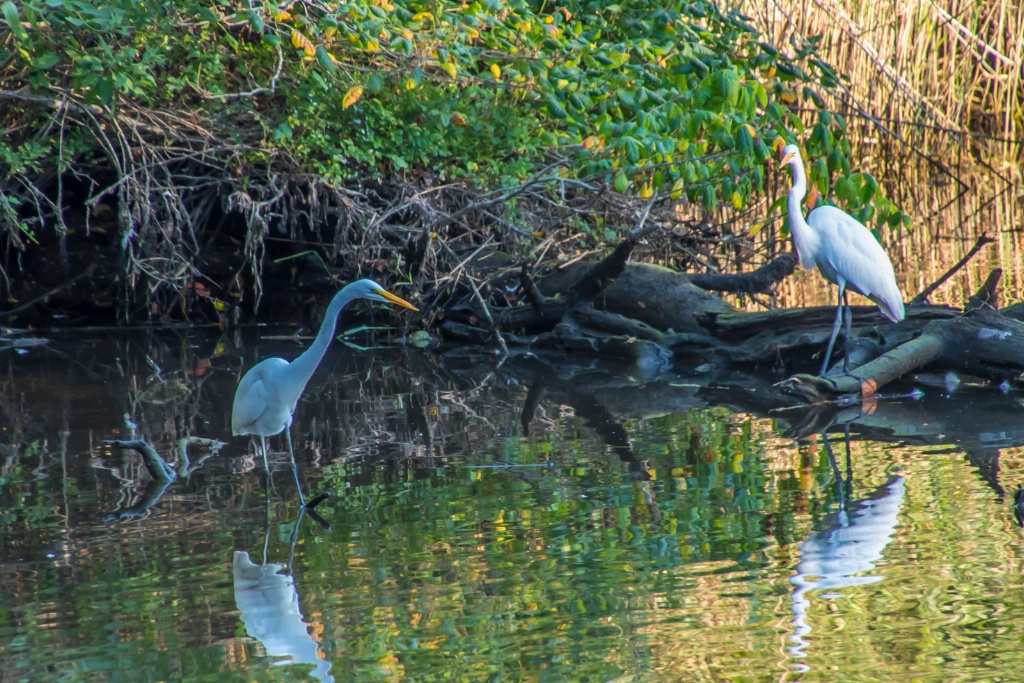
x=845 y=252
x=266 y=397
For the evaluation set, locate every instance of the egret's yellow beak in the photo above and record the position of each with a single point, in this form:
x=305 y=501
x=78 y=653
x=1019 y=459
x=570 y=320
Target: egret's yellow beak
x=397 y=300
x=785 y=159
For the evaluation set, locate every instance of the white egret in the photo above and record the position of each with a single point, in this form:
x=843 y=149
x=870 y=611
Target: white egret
x=266 y=397
x=845 y=252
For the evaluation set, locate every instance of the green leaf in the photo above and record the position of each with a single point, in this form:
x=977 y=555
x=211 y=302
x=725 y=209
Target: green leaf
x=105 y=90
x=744 y=141
x=10 y=12
x=256 y=21
x=632 y=150
x=820 y=174
x=206 y=14
x=283 y=132
x=45 y=61
x=621 y=182
x=867 y=190
x=323 y=58
x=555 y=108
x=708 y=199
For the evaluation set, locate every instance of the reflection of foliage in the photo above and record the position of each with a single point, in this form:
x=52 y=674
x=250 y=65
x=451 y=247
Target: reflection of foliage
x=563 y=550
x=493 y=555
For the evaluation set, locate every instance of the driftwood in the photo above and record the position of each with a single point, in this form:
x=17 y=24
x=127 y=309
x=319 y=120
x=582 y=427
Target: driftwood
x=760 y=281
x=980 y=341
x=654 y=316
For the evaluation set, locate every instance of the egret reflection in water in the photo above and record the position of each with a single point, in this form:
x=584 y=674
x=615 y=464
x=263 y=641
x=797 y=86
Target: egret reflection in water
x=842 y=553
x=268 y=604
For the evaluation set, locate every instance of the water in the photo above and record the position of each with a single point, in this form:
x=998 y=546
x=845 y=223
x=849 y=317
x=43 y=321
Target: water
x=537 y=521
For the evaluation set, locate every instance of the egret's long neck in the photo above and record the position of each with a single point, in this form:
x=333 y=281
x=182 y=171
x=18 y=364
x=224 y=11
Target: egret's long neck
x=803 y=236
x=301 y=369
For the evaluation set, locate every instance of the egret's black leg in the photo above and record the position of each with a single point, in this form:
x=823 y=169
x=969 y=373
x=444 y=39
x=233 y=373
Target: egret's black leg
x=849 y=462
x=295 y=468
x=849 y=333
x=266 y=466
x=835 y=330
x=840 y=487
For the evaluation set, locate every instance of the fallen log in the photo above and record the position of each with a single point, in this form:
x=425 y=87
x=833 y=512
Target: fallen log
x=980 y=342
x=647 y=314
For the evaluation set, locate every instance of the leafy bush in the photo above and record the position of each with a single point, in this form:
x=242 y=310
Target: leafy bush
x=676 y=96
x=643 y=96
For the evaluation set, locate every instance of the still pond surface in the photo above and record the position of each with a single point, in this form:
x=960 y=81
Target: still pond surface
x=542 y=520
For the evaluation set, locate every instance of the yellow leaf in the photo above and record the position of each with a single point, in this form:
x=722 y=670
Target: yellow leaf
x=281 y=15
x=352 y=96
x=420 y=16
x=591 y=141
x=330 y=32
x=410 y=84
x=372 y=45
x=495 y=70
x=301 y=42
x=549 y=19
x=737 y=201
x=449 y=69
x=755 y=228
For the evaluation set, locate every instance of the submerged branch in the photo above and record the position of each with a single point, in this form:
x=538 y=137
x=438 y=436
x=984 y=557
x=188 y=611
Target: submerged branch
x=927 y=291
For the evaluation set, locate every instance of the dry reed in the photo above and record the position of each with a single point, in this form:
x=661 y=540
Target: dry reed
x=936 y=75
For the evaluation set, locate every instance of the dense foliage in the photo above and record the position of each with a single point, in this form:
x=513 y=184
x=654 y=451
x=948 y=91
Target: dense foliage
x=653 y=95
x=164 y=110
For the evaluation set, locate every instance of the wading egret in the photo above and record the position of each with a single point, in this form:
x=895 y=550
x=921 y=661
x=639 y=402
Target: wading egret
x=266 y=397
x=845 y=252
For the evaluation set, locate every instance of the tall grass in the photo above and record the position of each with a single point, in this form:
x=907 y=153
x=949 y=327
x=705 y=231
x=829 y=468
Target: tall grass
x=942 y=76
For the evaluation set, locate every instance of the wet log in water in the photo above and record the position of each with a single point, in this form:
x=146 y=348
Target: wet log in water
x=652 y=316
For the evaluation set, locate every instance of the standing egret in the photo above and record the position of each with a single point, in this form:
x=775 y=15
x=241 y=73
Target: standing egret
x=266 y=397
x=845 y=252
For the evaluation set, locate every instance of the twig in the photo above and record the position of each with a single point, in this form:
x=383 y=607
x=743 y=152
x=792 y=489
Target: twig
x=639 y=232
x=533 y=294
x=494 y=198
x=157 y=466
x=987 y=294
x=923 y=296
x=42 y=298
x=490 y=321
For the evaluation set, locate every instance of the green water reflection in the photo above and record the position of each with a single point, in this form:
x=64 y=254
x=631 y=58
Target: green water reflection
x=533 y=522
